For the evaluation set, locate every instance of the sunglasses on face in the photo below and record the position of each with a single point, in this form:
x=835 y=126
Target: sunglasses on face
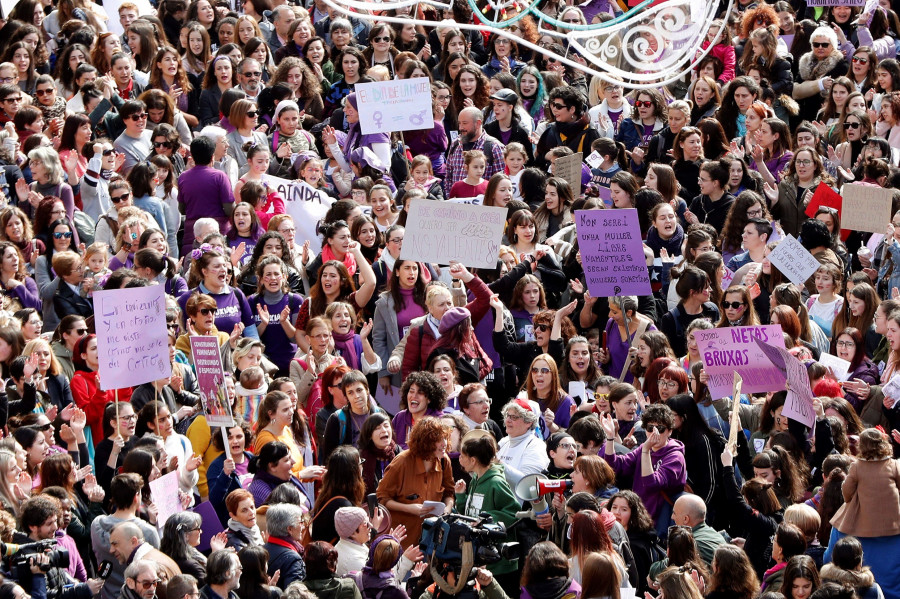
x=81 y=331
x=860 y=59
x=138 y=117
x=384 y=38
x=159 y=144
x=559 y=106
x=643 y=104
x=44 y=92
x=542 y=327
x=733 y=305
x=66 y=235
x=109 y=152
x=254 y=74
x=821 y=44
x=536 y=370
x=252 y=114
x=849 y=125
x=148 y=584
x=206 y=311
x=121 y=198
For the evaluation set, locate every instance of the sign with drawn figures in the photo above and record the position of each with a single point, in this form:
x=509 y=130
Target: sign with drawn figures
x=396 y=105
x=132 y=338
x=207 y=360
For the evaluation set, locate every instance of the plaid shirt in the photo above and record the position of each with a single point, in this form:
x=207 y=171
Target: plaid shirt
x=456 y=164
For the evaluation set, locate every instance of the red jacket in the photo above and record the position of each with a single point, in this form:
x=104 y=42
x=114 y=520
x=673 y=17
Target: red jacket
x=88 y=396
x=415 y=356
x=725 y=53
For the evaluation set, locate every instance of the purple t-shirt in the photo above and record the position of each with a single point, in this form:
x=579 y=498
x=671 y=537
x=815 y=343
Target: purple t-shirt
x=648 y=133
x=231 y=307
x=279 y=347
x=615 y=117
x=203 y=191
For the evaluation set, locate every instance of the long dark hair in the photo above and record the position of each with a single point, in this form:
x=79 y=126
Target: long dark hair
x=693 y=425
x=342 y=478
x=254 y=577
x=394 y=289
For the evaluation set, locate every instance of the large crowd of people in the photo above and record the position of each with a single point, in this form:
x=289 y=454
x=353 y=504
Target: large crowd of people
x=374 y=398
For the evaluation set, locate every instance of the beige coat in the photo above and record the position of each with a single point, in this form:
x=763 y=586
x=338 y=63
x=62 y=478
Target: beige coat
x=871 y=499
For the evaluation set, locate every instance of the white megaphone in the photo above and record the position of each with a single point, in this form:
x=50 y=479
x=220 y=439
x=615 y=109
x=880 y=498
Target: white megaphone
x=533 y=488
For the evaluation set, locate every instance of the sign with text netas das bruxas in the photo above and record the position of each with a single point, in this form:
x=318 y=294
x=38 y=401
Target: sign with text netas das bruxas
x=438 y=232
x=734 y=349
x=396 y=105
x=612 y=253
x=132 y=339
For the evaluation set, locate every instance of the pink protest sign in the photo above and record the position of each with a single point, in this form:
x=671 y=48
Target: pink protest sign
x=734 y=349
x=612 y=253
x=211 y=379
x=132 y=339
x=164 y=491
x=799 y=403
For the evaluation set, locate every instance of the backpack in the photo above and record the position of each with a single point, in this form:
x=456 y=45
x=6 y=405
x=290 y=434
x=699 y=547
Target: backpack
x=85 y=226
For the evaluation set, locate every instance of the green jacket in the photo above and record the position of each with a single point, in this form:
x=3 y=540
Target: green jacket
x=492 y=494
x=333 y=588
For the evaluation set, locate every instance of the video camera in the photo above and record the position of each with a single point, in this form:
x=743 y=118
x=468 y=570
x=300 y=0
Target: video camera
x=58 y=558
x=445 y=537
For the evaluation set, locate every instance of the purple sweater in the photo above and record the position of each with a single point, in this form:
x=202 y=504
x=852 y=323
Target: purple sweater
x=203 y=191
x=669 y=473
x=618 y=350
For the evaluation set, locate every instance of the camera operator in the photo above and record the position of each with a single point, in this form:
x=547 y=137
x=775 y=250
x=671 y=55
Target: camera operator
x=40 y=519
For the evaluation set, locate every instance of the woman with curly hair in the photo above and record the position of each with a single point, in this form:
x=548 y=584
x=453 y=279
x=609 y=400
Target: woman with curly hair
x=630 y=512
x=421 y=396
x=747 y=205
x=293 y=72
x=421 y=473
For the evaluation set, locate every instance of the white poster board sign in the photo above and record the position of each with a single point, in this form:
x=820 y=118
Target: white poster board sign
x=112 y=11
x=794 y=261
x=395 y=105
x=438 y=232
x=307 y=206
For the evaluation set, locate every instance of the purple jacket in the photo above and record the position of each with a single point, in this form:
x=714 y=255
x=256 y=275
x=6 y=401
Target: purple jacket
x=866 y=371
x=669 y=473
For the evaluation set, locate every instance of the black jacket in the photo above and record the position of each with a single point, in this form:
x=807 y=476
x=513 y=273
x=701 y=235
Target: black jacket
x=66 y=301
x=517 y=134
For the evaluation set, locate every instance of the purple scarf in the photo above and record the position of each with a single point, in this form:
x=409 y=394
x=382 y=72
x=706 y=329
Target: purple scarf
x=345 y=345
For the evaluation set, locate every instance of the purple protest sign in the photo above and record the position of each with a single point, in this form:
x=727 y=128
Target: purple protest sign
x=799 y=403
x=612 y=253
x=734 y=349
x=211 y=379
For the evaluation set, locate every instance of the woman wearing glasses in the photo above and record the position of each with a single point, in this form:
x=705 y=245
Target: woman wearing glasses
x=542 y=387
x=817 y=70
x=800 y=180
x=117 y=433
x=737 y=308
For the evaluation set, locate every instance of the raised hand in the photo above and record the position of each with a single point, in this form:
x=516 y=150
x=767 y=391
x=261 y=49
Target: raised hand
x=366 y=329
x=219 y=542
x=609 y=426
x=263 y=311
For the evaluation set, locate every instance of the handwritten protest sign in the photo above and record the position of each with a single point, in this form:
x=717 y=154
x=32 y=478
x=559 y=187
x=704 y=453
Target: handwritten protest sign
x=727 y=278
x=569 y=169
x=164 y=492
x=793 y=260
x=210 y=379
x=439 y=232
x=395 y=105
x=734 y=349
x=612 y=252
x=476 y=201
x=840 y=367
x=132 y=339
x=892 y=390
x=306 y=205
x=812 y=3
x=865 y=208
x=799 y=403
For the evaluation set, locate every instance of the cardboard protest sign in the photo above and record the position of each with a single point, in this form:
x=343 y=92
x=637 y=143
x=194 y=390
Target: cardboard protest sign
x=211 y=379
x=799 y=403
x=132 y=338
x=612 y=253
x=164 y=491
x=793 y=260
x=865 y=208
x=306 y=205
x=439 y=232
x=730 y=350
x=395 y=105
x=569 y=169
